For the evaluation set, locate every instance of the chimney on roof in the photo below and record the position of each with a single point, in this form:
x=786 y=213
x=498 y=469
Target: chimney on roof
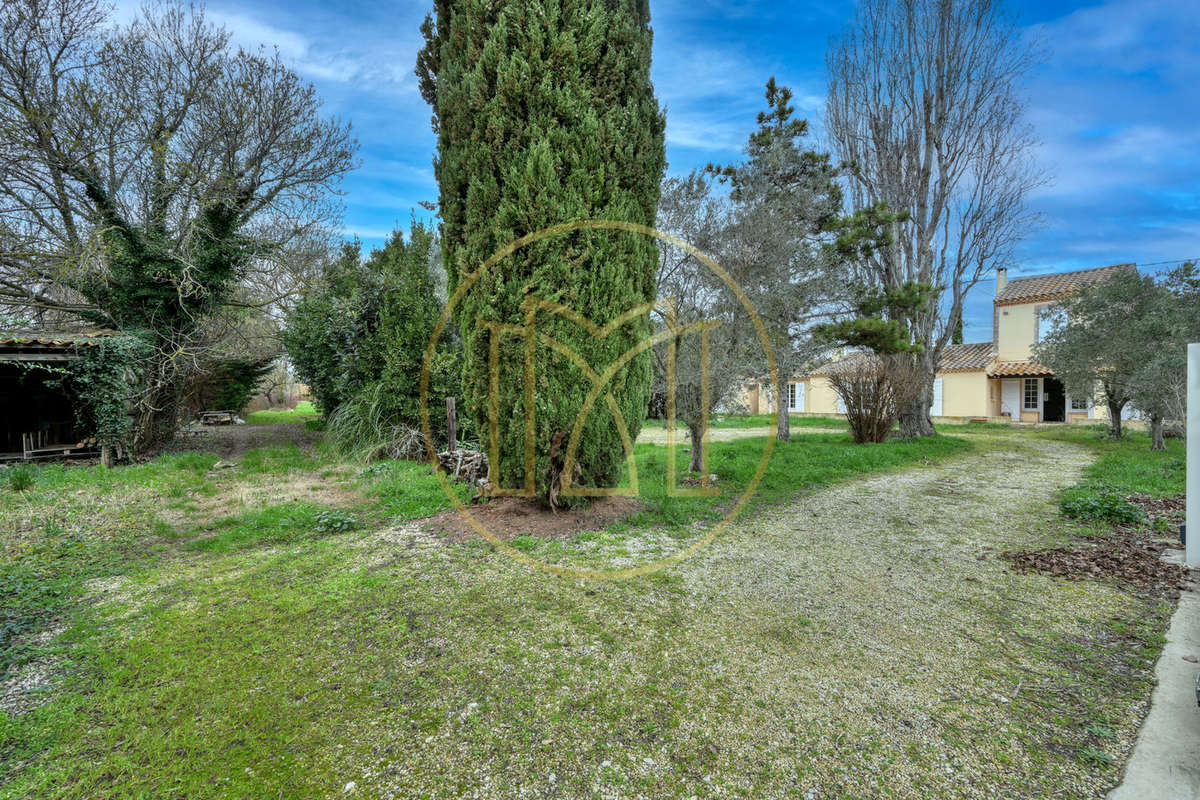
x=1001 y=279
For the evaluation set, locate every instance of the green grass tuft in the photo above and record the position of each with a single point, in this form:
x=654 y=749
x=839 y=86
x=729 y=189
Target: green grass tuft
x=303 y=413
x=20 y=477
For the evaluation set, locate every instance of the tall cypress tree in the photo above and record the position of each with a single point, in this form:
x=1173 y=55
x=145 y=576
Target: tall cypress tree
x=545 y=114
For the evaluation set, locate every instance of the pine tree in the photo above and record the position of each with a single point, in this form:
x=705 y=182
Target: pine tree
x=545 y=114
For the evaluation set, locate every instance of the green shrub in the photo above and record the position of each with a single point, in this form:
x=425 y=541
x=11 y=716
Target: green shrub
x=359 y=340
x=20 y=477
x=1102 y=506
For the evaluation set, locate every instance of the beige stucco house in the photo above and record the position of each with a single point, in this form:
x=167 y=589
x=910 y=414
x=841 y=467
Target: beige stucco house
x=994 y=380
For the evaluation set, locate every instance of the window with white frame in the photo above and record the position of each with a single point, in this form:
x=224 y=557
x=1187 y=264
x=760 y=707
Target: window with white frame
x=1031 y=394
x=792 y=396
x=1079 y=404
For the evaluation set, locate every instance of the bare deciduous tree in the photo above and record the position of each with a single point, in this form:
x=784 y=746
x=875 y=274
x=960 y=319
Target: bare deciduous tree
x=924 y=106
x=875 y=389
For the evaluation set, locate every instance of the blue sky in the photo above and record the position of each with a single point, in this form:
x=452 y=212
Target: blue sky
x=1116 y=106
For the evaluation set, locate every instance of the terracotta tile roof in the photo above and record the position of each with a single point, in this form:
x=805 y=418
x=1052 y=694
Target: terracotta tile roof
x=955 y=358
x=1054 y=287
x=1017 y=369
x=852 y=361
x=966 y=357
x=52 y=338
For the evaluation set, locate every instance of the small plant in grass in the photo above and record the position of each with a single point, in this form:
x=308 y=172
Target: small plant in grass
x=1104 y=506
x=1099 y=758
x=524 y=542
x=20 y=477
x=335 y=522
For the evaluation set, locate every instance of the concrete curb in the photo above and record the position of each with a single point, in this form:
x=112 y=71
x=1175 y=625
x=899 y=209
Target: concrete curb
x=1165 y=764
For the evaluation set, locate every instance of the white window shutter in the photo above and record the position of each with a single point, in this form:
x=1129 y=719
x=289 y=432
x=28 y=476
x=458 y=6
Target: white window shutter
x=935 y=410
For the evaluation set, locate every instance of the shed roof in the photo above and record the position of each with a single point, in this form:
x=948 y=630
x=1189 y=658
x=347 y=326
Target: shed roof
x=53 y=339
x=1054 y=287
x=965 y=357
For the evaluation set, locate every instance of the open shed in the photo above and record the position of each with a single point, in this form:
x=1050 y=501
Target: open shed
x=37 y=410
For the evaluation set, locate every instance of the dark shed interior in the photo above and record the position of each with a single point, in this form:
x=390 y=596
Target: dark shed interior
x=29 y=405
x=37 y=415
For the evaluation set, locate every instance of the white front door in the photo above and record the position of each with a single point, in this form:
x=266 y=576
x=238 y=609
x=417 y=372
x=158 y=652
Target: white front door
x=1010 y=398
x=796 y=396
x=935 y=410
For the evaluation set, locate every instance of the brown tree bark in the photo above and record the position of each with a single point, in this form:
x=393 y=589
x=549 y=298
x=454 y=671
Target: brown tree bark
x=783 y=431
x=696 y=463
x=915 y=420
x=1156 y=432
x=1114 y=418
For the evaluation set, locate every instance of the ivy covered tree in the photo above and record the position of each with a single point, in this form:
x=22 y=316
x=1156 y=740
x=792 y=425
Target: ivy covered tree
x=545 y=114
x=156 y=182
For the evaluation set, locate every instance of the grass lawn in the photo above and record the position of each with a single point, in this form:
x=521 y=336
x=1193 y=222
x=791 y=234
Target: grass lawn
x=285 y=628
x=1128 y=465
x=304 y=411
x=760 y=421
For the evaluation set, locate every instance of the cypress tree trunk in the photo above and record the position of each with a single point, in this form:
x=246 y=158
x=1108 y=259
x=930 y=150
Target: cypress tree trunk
x=545 y=114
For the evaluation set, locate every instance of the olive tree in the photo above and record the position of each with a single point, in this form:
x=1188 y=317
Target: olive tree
x=705 y=377
x=1115 y=334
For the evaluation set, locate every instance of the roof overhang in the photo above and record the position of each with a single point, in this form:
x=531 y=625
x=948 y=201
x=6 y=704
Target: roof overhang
x=1019 y=369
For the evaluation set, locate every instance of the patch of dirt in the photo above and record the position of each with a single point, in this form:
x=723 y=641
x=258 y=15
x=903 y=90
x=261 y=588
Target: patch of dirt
x=509 y=517
x=30 y=686
x=307 y=487
x=1129 y=557
x=232 y=441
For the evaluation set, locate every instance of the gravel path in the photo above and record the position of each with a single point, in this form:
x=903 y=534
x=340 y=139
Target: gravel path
x=659 y=435
x=899 y=630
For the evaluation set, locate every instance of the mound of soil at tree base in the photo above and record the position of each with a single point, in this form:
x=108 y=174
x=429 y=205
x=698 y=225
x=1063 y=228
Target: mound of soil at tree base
x=1130 y=557
x=509 y=517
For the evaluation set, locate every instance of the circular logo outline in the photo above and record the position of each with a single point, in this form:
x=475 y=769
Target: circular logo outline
x=427 y=431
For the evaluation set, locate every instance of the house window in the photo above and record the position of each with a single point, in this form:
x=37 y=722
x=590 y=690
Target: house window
x=1050 y=319
x=1031 y=394
x=1079 y=404
x=792 y=396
